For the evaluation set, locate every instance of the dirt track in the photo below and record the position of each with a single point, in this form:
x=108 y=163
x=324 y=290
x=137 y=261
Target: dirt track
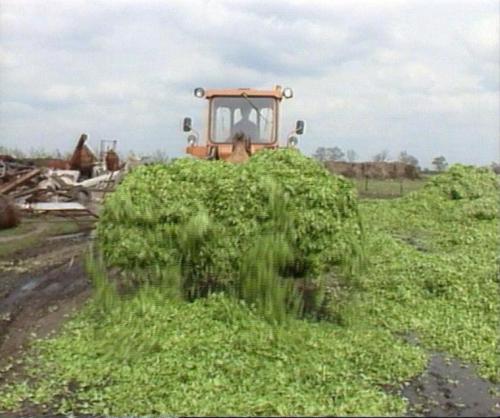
x=39 y=288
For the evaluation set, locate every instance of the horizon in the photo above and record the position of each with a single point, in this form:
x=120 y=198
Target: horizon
x=412 y=76
x=34 y=153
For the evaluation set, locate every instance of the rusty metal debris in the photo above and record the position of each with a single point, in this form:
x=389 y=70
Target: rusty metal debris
x=61 y=186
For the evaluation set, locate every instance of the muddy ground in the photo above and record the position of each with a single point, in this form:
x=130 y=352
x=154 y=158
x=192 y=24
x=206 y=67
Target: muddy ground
x=42 y=284
x=450 y=388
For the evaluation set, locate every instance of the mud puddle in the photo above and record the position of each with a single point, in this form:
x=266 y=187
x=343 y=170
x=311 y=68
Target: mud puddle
x=39 y=303
x=450 y=388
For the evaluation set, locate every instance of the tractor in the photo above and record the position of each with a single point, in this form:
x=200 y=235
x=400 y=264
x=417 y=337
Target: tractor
x=239 y=123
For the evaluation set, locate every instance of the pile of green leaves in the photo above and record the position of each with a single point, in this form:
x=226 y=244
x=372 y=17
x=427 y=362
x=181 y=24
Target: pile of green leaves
x=432 y=275
x=212 y=218
x=212 y=357
x=465 y=182
x=434 y=268
x=473 y=191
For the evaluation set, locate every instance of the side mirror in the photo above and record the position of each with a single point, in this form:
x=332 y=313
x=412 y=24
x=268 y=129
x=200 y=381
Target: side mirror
x=186 y=126
x=300 y=127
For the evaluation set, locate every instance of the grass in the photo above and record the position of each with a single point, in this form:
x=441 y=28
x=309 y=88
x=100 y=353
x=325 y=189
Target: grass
x=21 y=229
x=432 y=273
x=32 y=232
x=373 y=188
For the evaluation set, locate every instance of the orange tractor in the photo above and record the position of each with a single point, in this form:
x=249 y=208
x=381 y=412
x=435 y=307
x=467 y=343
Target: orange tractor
x=239 y=123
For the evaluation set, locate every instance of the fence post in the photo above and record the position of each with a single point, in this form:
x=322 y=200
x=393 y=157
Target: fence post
x=366 y=184
x=401 y=186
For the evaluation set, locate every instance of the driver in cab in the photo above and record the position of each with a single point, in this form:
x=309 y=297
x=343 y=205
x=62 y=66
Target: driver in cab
x=245 y=125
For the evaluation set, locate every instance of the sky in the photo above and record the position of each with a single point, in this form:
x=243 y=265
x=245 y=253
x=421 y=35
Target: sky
x=417 y=76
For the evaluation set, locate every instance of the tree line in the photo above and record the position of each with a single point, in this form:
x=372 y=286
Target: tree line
x=157 y=156
x=337 y=154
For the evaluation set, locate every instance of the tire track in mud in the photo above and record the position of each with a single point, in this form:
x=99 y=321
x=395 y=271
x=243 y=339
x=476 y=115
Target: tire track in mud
x=37 y=231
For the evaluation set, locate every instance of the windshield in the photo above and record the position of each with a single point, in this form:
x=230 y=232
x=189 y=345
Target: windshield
x=252 y=116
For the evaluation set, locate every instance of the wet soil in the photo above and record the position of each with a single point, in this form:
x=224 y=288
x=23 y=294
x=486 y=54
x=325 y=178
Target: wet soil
x=450 y=388
x=39 y=288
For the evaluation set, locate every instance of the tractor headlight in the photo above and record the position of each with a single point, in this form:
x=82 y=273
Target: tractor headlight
x=287 y=92
x=192 y=140
x=293 y=141
x=199 y=92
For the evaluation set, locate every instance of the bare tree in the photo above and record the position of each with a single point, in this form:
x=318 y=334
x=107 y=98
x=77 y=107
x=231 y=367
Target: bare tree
x=38 y=153
x=161 y=156
x=406 y=158
x=440 y=163
x=157 y=157
x=381 y=156
x=14 y=152
x=335 y=154
x=329 y=154
x=351 y=155
x=320 y=154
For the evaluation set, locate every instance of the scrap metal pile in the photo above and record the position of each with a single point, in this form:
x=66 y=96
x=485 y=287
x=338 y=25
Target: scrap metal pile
x=64 y=186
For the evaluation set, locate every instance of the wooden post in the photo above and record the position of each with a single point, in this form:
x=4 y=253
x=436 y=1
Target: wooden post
x=366 y=184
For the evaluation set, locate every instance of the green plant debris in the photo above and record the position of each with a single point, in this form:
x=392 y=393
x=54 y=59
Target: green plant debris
x=444 y=284
x=153 y=353
x=140 y=222
x=212 y=357
x=212 y=219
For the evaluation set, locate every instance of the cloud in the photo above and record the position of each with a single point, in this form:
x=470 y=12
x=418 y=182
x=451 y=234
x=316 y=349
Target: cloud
x=368 y=75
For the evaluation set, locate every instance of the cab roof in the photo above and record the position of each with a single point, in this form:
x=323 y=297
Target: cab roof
x=275 y=93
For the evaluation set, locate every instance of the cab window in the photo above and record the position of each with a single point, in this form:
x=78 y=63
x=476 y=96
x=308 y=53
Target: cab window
x=253 y=117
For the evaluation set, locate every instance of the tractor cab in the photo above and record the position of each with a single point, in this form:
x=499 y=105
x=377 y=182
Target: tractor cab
x=239 y=121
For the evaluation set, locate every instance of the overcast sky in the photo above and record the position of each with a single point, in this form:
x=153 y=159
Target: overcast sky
x=420 y=76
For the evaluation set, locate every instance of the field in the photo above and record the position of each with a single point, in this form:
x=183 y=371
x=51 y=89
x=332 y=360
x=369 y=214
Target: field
x=390 y=188
x=415 y=331
x=32 y=232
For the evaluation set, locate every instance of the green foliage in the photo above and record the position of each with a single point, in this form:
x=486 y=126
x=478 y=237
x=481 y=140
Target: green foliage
x=213 y=219
x=440 y=163
x=259 y=282
x=484 y=208
x=214 y=356
x=105 y=294
x=433 y=272
x=433 y=266
x=465 y=182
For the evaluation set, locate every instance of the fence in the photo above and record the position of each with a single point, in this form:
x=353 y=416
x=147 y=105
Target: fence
x=369 y=187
